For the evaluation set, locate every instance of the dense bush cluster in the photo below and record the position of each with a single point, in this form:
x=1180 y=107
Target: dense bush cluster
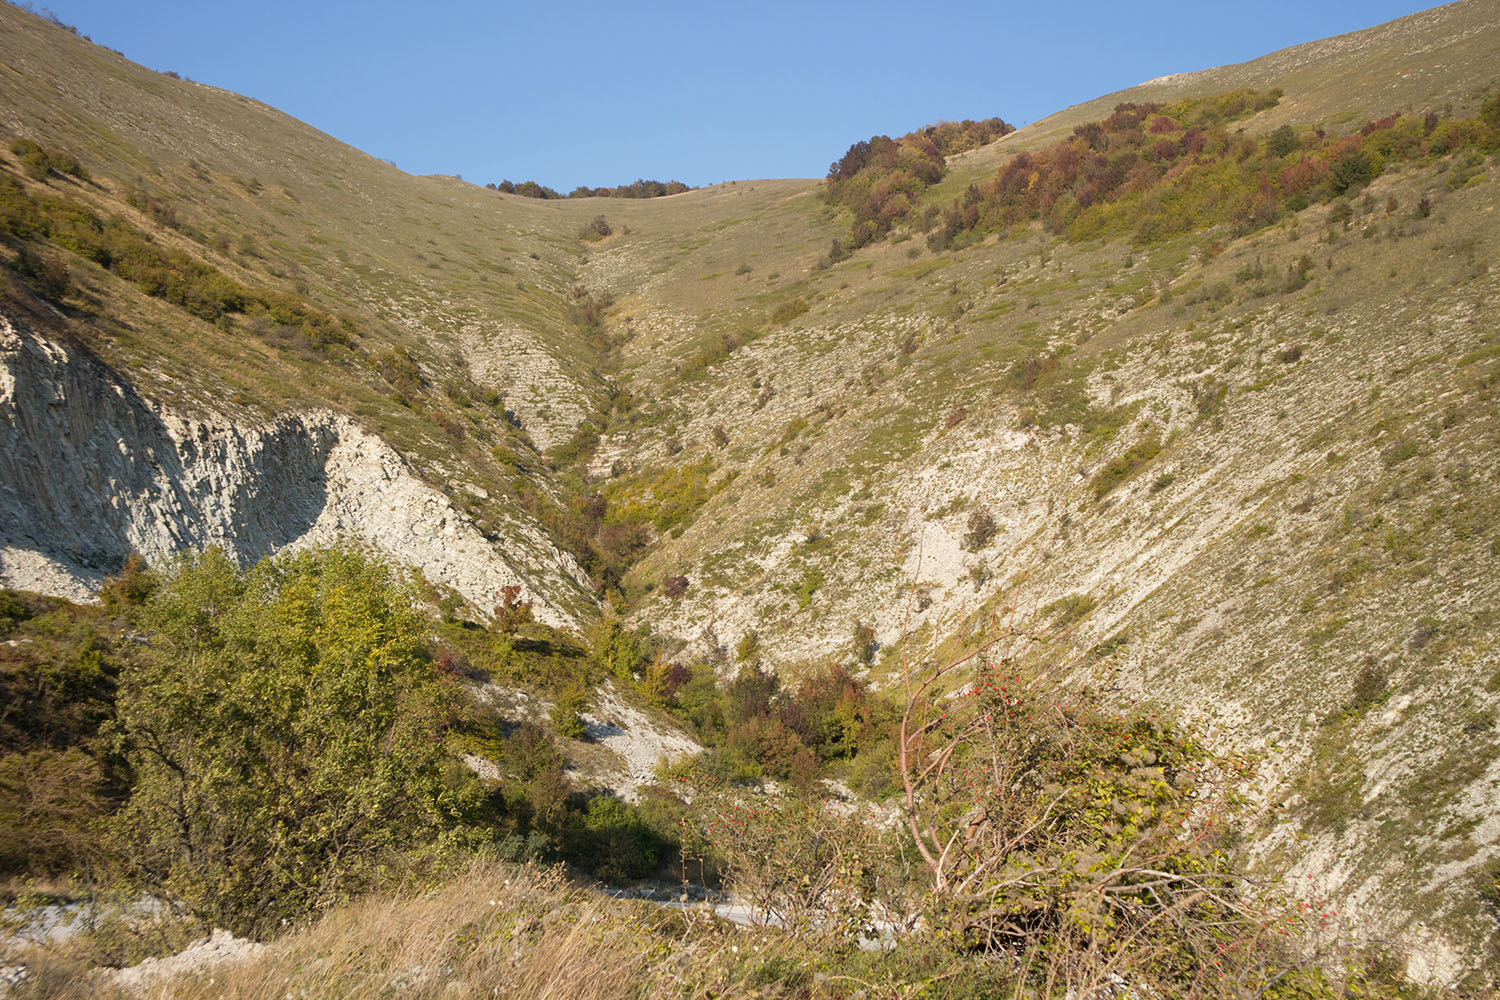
x=756 y=728
x=881 y=180
x=1153 y=171
x=952 y=138
x=638 y=189
x=526 y=189
x=1069 y=836
x=57 y=685
x=287 y=736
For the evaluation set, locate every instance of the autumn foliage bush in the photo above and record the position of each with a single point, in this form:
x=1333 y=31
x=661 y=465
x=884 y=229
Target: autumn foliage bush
x=881 y=180
x=1152 y=171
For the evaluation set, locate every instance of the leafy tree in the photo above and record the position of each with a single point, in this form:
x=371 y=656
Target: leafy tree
x=285 y=739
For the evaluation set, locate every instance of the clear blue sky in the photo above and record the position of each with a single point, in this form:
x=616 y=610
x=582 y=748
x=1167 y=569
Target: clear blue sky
x=571 y=93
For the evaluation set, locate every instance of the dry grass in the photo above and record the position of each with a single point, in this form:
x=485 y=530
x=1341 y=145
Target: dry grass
x=495 y=931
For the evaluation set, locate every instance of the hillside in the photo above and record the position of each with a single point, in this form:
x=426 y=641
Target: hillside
x=1245 y=467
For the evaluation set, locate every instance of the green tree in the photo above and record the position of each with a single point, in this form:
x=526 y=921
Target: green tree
x=286 y=739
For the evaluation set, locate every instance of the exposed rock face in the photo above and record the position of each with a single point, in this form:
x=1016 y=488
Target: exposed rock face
x=203 y=955
x=92 y=471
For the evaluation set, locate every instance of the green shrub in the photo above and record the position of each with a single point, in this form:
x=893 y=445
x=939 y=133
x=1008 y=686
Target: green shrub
x=1068 y=610
x=130 y=588
x=1122 y=467
x=285 y=739
x=38 y=161
x=862 y=642
x=58 y=686
x=613 y=842
x=49 y=273
x=567 y=712
x=50 y=801
x=811 y=580
x=1282 y=141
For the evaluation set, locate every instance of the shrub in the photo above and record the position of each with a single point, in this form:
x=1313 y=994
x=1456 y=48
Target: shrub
x=747 y=650
x=38 y=161
x=286 y=738
x=597 y=229
x=512 y=612
x=788 y=311
x=1369 y=687
x=862 y=642
x=812 y=579
x=48 y=272
x=1122 y=467
x=807 y=869
x=613 y=842
x=50 y=802
x=839 y=718
x=130 y=588
x=674 y=587
x=1282 y=141
x=58 y=687
x=981 y=528
x=1068 y=610
x=1065 y=836
x=567 y=711
x=586 y=309
x=1350 y=170
x=775 y=747
x=616 y=648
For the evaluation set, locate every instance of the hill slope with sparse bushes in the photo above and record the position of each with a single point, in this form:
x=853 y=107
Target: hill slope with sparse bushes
x=1201 y=380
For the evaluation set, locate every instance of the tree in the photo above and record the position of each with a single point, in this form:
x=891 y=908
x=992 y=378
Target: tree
x=286 y=738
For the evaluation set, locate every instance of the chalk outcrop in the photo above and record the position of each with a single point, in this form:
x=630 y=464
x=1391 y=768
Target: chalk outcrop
x=93 y=471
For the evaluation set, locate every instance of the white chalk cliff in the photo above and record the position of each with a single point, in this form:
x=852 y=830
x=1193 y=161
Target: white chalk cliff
x=91 y=471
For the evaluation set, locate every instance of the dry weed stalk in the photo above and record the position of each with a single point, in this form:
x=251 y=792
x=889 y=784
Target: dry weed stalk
x=1088 y=847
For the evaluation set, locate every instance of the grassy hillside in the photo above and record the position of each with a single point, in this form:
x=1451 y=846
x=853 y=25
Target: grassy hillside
x=1242 y=462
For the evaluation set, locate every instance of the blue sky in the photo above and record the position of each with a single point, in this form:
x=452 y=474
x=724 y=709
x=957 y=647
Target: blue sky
x=571 y=93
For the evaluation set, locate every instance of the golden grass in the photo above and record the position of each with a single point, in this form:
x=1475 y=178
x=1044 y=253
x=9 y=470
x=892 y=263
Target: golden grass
x=497 y=930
